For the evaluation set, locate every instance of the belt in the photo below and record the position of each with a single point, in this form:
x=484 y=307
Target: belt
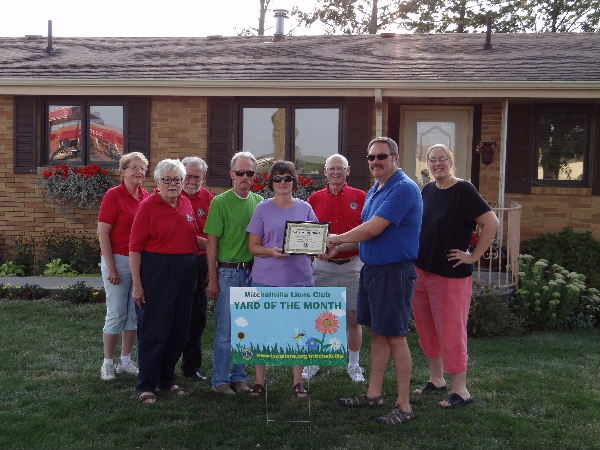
x=236 y=265
x=340 y=261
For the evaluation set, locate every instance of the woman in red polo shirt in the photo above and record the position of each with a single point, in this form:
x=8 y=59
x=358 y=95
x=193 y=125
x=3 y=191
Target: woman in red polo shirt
x=117 y=210
x=162 y=256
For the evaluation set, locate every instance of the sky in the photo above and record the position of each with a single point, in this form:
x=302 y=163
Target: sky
x=188 y=18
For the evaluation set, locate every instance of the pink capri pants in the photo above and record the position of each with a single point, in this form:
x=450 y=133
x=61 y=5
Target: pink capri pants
x=441 y=310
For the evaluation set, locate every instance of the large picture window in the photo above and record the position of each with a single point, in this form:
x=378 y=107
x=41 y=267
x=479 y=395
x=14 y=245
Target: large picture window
x=85 y=132
x=305 y=134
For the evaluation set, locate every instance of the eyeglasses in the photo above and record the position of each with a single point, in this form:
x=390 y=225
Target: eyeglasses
x=435 y=160
x=241 y=173
x=279 y=179
x=138 y=169
x=335 y=169
x=380 y=157
x=171 y=180
x=194 y=177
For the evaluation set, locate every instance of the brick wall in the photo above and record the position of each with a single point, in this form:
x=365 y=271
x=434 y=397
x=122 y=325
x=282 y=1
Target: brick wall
x=178 y=129
x=491 y=131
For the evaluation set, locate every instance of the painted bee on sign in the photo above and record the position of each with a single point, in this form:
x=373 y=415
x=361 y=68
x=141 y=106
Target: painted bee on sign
x=299 y=334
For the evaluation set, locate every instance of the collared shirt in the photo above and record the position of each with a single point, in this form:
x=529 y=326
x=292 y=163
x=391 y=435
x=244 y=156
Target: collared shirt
x=201 y=205
x=342 y=210
x=161 y=228
x=118 y=209
x=398 y=201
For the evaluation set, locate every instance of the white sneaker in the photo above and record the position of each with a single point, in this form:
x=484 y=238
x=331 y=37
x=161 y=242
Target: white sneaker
x=309 y=372
x=129 y=367
x=356 y=373
x=107 y=372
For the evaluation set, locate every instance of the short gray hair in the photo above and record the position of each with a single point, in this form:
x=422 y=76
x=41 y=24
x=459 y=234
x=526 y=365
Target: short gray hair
x=338 y=156
x=240 y=155
x=167 y=165
x=386 y=140
x=195 y=161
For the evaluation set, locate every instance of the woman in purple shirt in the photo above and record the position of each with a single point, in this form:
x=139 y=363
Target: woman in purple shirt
x=271 y=266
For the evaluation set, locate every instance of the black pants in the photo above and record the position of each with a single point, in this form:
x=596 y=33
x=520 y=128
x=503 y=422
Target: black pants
x=192 y=352
x=164 y=319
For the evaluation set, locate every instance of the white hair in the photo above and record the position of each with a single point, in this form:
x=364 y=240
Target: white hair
x=338 y=156
x=167 y=165
x=240 y=155
x=195 y=161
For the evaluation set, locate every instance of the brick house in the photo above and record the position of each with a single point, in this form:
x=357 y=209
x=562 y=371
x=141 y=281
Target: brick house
x=522 y=116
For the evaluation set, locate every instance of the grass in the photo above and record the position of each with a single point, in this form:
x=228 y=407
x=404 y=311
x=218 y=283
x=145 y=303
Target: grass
x=534 y=392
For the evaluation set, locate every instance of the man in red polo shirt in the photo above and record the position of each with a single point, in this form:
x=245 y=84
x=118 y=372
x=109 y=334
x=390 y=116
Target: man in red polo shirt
x=200 y=198
x=341 y=206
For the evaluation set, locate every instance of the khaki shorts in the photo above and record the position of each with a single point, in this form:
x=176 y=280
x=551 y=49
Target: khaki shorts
x=328 y=274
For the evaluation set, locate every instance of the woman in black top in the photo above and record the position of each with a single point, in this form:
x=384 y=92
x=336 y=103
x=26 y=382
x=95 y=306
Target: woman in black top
x=451 y=209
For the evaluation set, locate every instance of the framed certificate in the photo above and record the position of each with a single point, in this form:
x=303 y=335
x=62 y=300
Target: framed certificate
x=305 y=238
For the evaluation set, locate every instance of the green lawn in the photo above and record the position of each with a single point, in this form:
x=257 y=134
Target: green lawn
x=535 y=392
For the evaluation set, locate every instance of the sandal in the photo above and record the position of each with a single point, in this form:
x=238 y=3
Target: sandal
x=147 y=398
x=361 y=400
x=396 y=417
x=430 y=388
x=257 y=390
x=300 y=391
x=455 y=401
x=175 y=390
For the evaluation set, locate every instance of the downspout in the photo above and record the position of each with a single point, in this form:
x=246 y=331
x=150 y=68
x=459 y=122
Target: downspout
x=378 y=113
x=503 y=153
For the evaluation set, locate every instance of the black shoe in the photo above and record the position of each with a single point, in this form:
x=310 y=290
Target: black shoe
x=196 y=376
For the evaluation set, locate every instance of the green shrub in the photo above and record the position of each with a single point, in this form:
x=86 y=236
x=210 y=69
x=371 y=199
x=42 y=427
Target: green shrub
x=548 y=297
x=10 y=269
x=588 y=310
x=491 y=314
x=579 y=252
x=56 y=268
x=81 y=293
x=81 y=252
x=26 y=292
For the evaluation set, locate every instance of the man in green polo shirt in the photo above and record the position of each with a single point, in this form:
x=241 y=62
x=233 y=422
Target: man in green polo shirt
x=230 y=264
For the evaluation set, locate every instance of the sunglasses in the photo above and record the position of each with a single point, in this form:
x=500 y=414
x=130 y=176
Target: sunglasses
x=241 y=173
x=380 y=157
x=279 y=179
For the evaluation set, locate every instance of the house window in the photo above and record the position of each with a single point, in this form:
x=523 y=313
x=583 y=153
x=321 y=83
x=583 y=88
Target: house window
x=305 y=134
x=85 y=132
x=561 y=147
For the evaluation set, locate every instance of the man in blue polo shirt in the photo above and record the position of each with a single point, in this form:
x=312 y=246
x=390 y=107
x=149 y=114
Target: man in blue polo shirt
x=388 y=243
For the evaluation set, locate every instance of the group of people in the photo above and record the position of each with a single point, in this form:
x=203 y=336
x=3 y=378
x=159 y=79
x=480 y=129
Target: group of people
x=165 y=254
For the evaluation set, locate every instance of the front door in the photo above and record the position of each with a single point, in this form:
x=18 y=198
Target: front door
x=423 y=126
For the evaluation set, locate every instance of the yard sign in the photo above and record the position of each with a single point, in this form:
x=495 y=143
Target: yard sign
x=288 y=326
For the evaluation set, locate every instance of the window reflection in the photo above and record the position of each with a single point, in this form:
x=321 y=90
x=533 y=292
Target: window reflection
x=316 y=137
x=106 y=133
x=263 y=134
x=65 y=142
x=560 y=146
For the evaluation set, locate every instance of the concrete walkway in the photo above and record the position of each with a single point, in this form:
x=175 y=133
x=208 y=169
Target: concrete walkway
x=53 y=283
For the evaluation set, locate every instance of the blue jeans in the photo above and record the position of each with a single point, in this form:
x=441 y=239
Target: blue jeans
x=120 y=307
x=222 y=349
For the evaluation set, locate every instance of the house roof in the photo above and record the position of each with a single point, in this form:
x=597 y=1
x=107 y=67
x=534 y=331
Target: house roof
x=407 y=58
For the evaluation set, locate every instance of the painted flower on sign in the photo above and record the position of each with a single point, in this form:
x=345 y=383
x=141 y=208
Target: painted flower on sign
x=327 y=323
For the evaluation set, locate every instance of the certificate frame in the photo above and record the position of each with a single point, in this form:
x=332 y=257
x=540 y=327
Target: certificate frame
x=305 y=238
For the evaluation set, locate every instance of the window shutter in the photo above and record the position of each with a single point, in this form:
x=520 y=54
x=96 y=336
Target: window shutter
x=220 y=140
x=596 y=152
x=138 y=126
x=357 y=135
x=519 y=148
x=25 y=135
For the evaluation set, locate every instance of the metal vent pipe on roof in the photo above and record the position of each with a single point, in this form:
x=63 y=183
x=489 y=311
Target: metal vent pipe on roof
x=49 y=49
x=488 y=34
x=280 y=16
